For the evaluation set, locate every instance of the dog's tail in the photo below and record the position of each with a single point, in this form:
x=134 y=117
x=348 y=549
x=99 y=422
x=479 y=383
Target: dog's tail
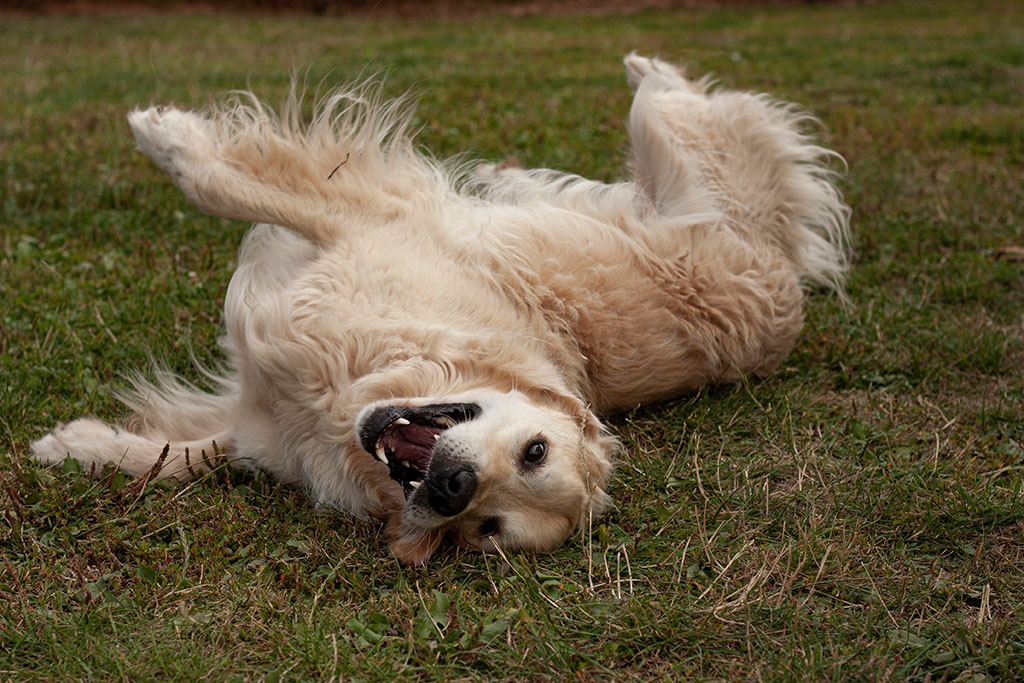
x=165 y=406
x=749 y=156
x=177 y=430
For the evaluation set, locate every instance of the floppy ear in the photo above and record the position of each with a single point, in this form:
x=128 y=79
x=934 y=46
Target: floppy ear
x=597 y=449
x=409 y=544
x=412 y=545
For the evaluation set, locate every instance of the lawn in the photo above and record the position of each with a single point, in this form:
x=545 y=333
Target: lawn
x=857 y=515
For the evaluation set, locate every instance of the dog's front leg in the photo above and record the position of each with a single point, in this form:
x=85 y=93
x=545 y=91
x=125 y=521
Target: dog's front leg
x=187 y=147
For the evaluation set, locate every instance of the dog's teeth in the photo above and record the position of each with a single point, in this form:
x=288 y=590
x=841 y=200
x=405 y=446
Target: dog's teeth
x=382 y=455
x=401 y=421
x=436 y=437
x=444 y=421
x=415 y=484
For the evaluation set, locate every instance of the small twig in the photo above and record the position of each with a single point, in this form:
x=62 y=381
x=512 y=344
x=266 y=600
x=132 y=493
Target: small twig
x=103 y=323
x=984 y=609
x=817 y=577
x=209 y=463
x=347 y=155
x=725 y=569
x=16 y=500
x=430 y=617
x=541 y=592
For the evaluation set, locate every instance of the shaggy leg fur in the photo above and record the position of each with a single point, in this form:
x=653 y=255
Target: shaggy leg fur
x=94 y=443
x=190 y=150
x=243 y=161
x=745 y=153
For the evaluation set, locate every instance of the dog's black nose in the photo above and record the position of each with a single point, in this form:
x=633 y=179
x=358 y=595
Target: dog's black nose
x=450 y=489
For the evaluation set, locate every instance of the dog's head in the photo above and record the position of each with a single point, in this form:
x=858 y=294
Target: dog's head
x=488 y=469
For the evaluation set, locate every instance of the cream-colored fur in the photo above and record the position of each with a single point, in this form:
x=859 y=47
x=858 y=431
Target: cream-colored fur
x=540 y=299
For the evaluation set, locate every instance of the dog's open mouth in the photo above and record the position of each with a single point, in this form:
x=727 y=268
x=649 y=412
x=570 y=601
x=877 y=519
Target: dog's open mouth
x=404 y=437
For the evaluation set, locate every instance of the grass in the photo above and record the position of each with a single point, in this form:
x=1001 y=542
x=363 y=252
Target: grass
x=858 y=515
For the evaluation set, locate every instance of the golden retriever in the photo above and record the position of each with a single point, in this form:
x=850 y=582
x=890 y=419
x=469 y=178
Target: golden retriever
x=431 y=346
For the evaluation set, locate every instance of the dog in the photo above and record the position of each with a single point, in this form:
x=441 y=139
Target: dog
x=431 y=345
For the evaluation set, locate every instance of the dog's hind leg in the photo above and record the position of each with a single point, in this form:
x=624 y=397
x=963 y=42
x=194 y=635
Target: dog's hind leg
x=745 y=154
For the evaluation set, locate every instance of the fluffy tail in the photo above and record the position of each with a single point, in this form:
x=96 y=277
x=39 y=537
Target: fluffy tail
x=177 y=430
x=168 y=407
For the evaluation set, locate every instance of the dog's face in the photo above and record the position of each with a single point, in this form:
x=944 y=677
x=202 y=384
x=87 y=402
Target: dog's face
x=490 y=470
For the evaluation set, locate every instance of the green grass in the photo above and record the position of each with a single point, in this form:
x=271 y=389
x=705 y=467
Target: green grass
x=858 y=515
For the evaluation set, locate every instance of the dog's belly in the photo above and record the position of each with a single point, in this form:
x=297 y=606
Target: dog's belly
x=623 y=324
x=389 y=295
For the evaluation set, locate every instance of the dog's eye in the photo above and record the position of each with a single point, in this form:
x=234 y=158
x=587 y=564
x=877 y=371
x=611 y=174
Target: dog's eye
x=490 y=527
x=535 y=452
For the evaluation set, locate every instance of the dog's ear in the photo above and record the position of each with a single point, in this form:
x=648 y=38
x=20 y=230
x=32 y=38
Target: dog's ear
x=598 y=449
x=412 y=545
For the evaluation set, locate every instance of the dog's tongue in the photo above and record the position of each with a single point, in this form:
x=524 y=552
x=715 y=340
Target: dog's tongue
x=414 y=443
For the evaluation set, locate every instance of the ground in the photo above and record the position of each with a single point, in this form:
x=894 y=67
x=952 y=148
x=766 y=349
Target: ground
x=857 y=515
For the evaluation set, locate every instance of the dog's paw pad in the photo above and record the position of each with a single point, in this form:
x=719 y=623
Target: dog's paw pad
x=636 y=68
x=165 y=133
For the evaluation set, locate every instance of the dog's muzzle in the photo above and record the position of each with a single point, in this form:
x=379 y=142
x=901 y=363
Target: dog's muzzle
x=406 y=439
x=450 y=487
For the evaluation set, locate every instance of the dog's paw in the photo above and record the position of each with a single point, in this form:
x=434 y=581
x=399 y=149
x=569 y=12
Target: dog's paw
x=50 y=449
x=78 y=439
x=88 y=441
x=178 y=141
x=637 y=68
